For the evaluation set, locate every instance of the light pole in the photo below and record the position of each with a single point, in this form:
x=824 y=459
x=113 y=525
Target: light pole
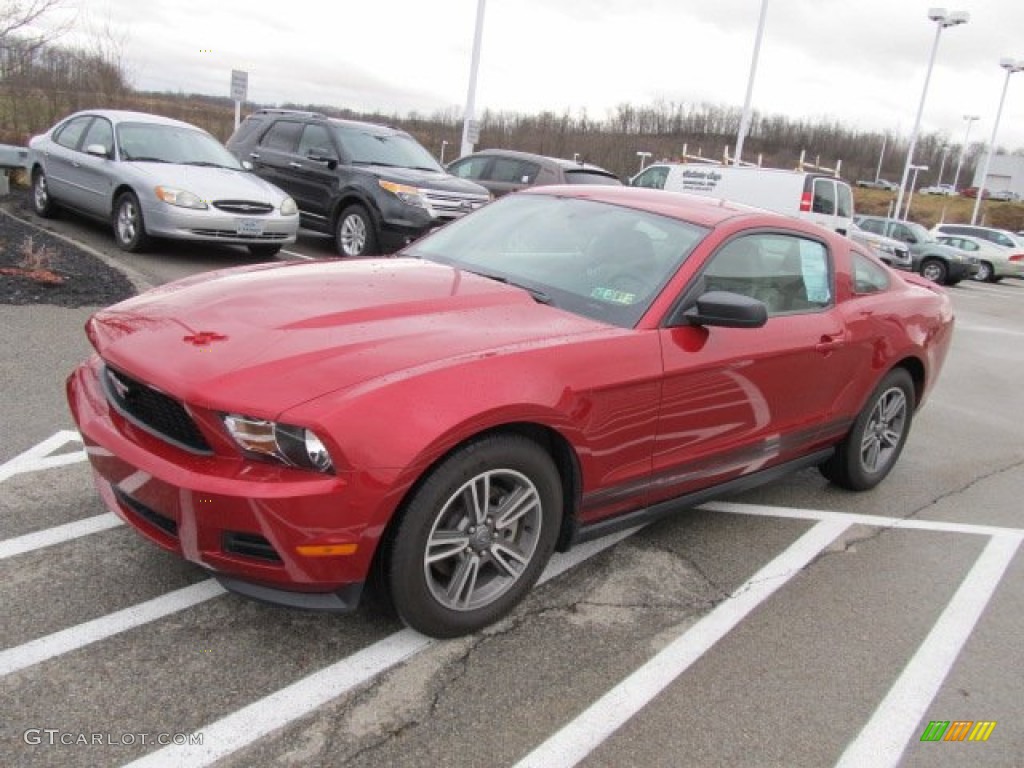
x=910 y=194
x=444 y=143
x=963 y=150
x=470 y=127
x=878 y=171
x=643 y=158
x=745 y=119
x=942 y=20
x=1011 y=66
x=942 y=165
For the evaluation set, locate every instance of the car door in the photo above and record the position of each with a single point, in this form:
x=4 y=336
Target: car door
x=738 y=400
x=95 y=175
x=312 y=172
x=270 y=158
x=60 y=160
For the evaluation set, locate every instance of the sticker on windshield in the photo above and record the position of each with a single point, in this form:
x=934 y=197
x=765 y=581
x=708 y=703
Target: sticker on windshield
x=614 y=296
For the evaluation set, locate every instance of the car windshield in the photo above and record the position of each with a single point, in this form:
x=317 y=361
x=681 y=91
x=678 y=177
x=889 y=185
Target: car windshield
x=595 y=259
x=158 y=143
x=398 y=150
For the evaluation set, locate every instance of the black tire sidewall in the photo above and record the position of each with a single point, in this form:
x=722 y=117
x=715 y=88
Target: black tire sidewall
x=944 y=274
x=47 y=210
x=370 y=246
x=406 y=582
x=139 y=240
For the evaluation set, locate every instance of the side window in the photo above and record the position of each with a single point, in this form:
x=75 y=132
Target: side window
x=1000 y=239
x=873 y=225
x=528 y=172
x=824 y=196
x=868 y=277
x=653 y=178
x=844 y=201
x=283 y=135
x=786 y=272
x=507 y=169
x=900 y=232
x=71 y=132
x=316 y=141
x=470 y=168
x=100 y=132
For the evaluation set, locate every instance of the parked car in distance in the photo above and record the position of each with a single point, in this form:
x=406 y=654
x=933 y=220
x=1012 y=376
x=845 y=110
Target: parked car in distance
x=994 y=262
x=819 y=197
x=973 y=192
x=946 y=190
x=151 y=176
x=1002 y=237
x=933 y=260
x=374 y=188
x=562 y=363
x=504 y=170
x=1005 y=196
x=893 y=252
x=878 y=184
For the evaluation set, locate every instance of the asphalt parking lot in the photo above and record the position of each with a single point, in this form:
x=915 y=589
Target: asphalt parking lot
x=797 y=625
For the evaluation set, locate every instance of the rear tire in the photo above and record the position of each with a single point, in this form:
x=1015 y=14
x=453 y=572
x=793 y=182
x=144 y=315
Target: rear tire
x=876 y=439
x=42 y=203
x=934 y=270
x=986 y=274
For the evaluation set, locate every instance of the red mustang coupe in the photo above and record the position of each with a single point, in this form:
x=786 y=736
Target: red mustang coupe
x=562 y=363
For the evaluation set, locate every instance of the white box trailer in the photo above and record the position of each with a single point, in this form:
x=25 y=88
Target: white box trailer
x=813 y=196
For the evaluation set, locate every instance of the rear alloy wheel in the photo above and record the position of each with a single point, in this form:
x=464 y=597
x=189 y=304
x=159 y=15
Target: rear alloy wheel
x=877 y=437
x=934 y=270
x=475 y=536
x=986 y=273
x=355 y=235
x=129 y=227
x=42 y=203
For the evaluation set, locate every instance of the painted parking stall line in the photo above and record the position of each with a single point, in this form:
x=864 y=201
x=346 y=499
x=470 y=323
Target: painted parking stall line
x=263 y=717
x=594 y=725
x=883 y=740
x=71 y=639
x=39 y=456
x=60 y=534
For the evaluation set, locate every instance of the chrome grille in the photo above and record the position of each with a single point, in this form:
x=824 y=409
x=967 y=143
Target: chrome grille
x=230 y=234
x=452 y=205
x=246 y=207
x=153 y=411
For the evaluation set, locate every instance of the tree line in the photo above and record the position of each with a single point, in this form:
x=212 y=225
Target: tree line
x=41 y=82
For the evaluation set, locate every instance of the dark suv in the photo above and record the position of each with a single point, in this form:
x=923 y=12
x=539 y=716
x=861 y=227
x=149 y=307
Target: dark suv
x=933 y=260
x=374 y=188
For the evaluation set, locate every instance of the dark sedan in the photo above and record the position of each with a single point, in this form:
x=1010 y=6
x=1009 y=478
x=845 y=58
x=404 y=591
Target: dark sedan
x=504 y=170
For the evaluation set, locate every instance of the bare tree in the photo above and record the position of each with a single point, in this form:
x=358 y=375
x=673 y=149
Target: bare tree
x=18 y=19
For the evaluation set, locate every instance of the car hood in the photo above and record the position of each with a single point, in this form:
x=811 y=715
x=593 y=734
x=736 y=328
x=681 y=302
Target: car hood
x=268 y=337
x=207 y=183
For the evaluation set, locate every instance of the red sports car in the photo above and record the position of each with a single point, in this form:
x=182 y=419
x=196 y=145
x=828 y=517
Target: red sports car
x=562 y=363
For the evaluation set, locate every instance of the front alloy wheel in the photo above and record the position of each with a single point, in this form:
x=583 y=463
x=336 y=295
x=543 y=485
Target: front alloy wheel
x=355 y=235
x=934 y=270
x=475 y=536
x=129 y=226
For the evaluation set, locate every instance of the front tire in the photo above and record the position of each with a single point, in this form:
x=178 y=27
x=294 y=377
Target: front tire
x=475 y=536
x=129 y=226
x=42 y=203
x=355 y=234
x=875 y=441
x=935 y=271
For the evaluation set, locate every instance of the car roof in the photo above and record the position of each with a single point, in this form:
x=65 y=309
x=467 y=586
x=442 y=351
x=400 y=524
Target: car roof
x=696 y=209
x=569 y=165
x=128 y=116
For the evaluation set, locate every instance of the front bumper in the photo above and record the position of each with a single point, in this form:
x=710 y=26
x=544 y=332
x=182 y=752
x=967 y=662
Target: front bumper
x=212 y=225
x=243 y=520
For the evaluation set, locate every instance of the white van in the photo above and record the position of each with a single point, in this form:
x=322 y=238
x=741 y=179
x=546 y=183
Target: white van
x=817 y=197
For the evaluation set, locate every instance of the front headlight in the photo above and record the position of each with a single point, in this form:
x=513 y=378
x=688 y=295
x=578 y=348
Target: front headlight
x=405 y=193
x=286 y=443
x=181 y=198
x=288 y=207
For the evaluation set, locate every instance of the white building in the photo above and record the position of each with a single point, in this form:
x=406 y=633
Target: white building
x=1005 y=172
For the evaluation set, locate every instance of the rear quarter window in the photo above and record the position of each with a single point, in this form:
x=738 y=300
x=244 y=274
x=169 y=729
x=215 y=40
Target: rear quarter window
x=868 y=277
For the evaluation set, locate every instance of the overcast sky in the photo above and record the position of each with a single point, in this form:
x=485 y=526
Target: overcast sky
x=861 y=62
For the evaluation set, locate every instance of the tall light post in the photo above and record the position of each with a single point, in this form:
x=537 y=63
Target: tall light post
x=942 y=20
x=643 y=158
x=942 y=165
x=444 y=143
x=878 y=171
x=1011 y=66
x=910 y=194
x=745 y=118
x=470 y=127
x=963 y=150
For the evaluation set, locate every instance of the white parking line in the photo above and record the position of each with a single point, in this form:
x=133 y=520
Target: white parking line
x=600 y=720
x=894 y=723
x=81 y=635
x=298 y=255
x=19 y=545
x=37 y=457
x=244 y=726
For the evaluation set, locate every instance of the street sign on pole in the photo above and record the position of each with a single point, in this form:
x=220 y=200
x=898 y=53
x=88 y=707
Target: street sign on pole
x=239 y=91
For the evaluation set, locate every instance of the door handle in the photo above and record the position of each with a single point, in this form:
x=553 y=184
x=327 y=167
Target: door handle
x=829 y=343
x=293 y=164
x=254 y=155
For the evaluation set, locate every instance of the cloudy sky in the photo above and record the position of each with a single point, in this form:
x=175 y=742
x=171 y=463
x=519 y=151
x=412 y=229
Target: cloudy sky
x=861 y=62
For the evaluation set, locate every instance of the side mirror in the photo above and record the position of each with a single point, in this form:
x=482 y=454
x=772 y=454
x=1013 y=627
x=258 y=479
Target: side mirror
x=247 y=165
x=98 y=150
x=322 y=155
x=726 y=310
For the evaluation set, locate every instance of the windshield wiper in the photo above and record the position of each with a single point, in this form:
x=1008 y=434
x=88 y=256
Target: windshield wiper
x=206 y=164
x=377 y=162
x=539 y=296
x=142 y=159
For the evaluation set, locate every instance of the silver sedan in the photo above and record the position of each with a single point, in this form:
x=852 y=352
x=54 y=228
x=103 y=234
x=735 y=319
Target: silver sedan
x=152 y=176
